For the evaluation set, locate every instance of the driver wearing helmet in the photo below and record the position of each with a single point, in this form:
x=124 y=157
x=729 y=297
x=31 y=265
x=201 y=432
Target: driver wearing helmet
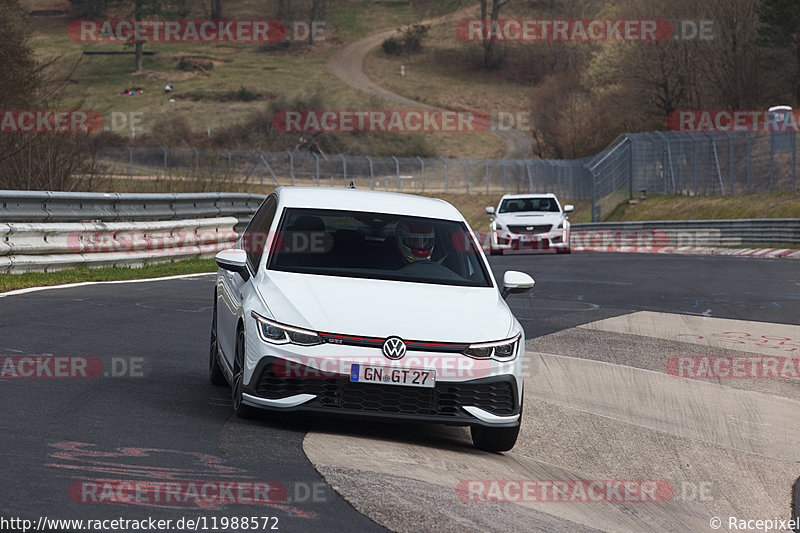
x=415 y=240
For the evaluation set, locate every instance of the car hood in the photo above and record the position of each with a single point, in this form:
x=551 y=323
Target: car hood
x=530 y=218
x=379 y=308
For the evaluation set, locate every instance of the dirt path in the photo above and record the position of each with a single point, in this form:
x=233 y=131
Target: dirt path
x=348 y=64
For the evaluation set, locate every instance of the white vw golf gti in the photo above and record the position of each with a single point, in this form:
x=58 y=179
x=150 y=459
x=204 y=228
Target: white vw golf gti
x=372 y=305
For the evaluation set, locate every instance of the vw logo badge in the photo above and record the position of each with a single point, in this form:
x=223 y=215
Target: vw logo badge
x=394 y=348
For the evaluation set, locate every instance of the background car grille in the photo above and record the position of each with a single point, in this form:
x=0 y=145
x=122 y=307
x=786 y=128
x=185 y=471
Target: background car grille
x=541 y=228
x=496 y=396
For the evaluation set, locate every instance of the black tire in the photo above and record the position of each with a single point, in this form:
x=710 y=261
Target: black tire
x=495 y=252
x=215 y=374
x=563 y=250
x=237 y=387
x=494 y=439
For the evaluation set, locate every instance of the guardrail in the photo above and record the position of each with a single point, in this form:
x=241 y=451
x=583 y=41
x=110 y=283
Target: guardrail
x=774 y=232
x=46 y=231
x=46 y=247
x=43 y=206
x=55 y=230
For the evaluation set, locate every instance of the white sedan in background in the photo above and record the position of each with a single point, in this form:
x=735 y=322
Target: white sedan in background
x=372 y=305
x=529 y=222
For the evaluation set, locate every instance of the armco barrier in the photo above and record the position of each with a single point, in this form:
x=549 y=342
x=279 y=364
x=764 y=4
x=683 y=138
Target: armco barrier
x=45 y=231
x=761 y=233
x=54 y=246
x=44 y=206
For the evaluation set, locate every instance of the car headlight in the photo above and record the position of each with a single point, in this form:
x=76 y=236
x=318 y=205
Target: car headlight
x=501 y=350
x=277 y=333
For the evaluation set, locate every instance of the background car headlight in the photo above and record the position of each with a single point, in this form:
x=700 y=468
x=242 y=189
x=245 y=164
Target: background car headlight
x=502 y=350
x=277 y=333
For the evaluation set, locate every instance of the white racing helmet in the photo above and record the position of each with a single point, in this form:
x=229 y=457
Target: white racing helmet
x=415 y=240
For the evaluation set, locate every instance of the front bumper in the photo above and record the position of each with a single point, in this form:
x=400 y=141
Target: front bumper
x=489 y=401
x=507 y=241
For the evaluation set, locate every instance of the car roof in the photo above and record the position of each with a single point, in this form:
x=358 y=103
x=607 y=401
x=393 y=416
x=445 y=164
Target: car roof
x=529 y=195
x=347 y=199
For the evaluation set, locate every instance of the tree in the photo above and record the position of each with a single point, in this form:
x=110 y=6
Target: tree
x=317 y=11
x=216 y=9
x=33 y=160
x=781 y=29
x=488 y=43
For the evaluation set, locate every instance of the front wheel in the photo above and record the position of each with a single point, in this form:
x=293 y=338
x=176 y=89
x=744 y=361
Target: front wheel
x=491 y=439
x=241 y=410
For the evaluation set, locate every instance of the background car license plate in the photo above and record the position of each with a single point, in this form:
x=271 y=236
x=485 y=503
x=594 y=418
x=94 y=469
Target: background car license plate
x=410 y=377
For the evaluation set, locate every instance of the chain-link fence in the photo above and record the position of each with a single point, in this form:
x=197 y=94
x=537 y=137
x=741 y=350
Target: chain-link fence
x=658 y=162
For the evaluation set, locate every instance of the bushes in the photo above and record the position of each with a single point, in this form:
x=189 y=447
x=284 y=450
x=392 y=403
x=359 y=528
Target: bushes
x=409 y=42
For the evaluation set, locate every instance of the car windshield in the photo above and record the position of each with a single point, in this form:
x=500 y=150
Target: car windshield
x=523 y=205
x=377 y=246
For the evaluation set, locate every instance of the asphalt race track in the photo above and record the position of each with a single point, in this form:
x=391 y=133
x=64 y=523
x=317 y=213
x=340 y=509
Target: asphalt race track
x=599 y=405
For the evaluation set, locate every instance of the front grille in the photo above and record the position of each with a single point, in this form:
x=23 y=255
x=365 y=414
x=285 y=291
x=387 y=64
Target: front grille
x=495 y=395
x=541 y=228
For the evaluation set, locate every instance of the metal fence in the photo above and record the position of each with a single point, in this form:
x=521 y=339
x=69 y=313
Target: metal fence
x=658 y=162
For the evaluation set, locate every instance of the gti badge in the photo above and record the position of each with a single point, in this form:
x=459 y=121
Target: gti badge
x=394 y=348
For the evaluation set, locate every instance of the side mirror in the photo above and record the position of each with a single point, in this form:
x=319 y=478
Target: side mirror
x=569 y=208
x=490 y=210
x=234 y=260
x=516 y=282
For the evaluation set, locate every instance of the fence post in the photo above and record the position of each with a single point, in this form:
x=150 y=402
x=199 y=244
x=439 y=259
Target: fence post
x=680 y=165
x=397 y=172
x=344 y=168
x=422 y=169
x=696 y=155
x=371 y=173
x=230 y=169
x=794 y=161
x=446 y=174
x=196 y=163
x=261 y=168
x=771 y=162
x=291 y=166
x=165 y=161
x=730 y=162
x=749 y=159
x=630 y=167
x=316 y=167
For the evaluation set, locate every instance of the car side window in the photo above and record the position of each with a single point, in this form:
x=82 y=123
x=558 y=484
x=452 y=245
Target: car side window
x=255 y=236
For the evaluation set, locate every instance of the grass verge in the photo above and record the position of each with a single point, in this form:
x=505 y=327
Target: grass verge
x=770 y=205
x=11 y=282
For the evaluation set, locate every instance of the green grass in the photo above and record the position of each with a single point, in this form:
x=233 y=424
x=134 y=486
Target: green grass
x=9 y=282
x=774 y=205
x=277 y=73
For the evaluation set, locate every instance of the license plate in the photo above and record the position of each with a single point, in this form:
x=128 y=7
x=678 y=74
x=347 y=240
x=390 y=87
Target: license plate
x=530 y=238
x=409 y=377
